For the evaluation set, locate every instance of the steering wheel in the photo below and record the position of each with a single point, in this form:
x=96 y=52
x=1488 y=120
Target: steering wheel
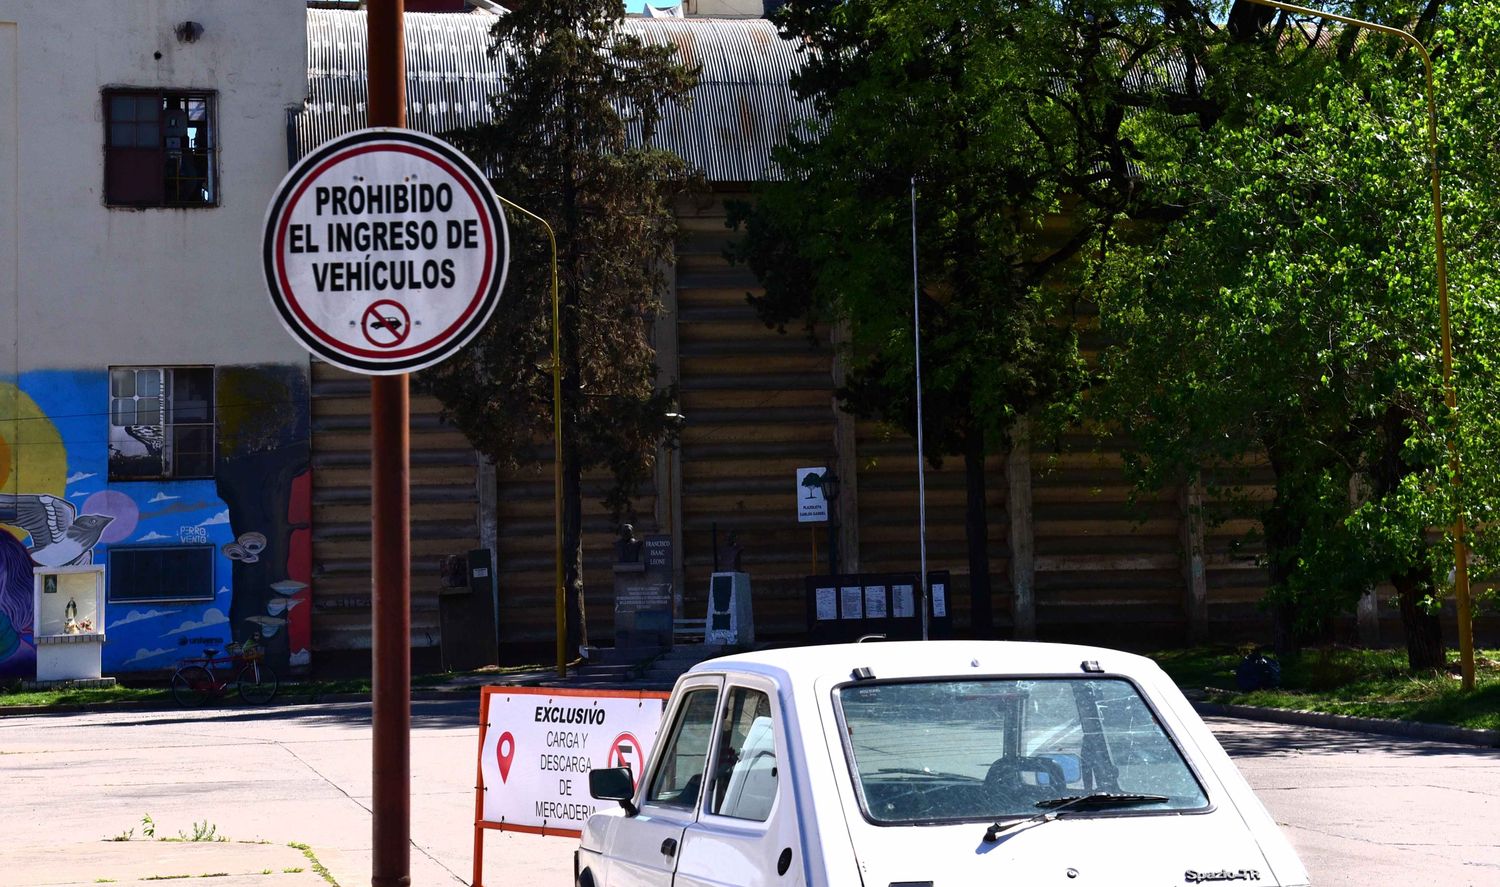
x=1004 y=778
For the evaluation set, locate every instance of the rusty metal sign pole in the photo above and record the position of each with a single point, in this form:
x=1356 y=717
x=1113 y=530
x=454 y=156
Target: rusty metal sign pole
x=390 y=499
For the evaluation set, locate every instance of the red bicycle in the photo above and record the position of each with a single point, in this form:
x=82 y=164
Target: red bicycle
x=201 y=678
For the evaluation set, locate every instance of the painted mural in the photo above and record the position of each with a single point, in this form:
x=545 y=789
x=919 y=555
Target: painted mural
x=58 y=507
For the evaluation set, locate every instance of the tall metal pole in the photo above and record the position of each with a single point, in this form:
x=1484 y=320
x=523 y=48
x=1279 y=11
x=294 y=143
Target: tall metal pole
x=916 y=335
x=1450 y=395
x=390 y=500
x=557 y=423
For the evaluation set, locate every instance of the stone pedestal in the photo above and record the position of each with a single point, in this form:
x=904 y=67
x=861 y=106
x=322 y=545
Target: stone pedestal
x=731 y=618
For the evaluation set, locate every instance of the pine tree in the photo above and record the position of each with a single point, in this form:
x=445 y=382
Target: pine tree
x=571 y=141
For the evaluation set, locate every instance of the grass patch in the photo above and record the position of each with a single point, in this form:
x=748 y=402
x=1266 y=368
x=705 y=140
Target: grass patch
x=11 y=696
x=1349 y=681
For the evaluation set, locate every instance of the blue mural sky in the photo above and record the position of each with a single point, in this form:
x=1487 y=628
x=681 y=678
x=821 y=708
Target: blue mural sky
x=141 y=634
x=640 y=5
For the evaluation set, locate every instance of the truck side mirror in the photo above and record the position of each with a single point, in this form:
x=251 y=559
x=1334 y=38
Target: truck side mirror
x=614 y=784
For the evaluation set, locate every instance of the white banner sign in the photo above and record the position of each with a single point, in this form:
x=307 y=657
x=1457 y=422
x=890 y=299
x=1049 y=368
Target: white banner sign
x=540 y=744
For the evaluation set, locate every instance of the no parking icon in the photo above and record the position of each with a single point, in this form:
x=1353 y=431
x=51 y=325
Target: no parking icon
x=626 y=751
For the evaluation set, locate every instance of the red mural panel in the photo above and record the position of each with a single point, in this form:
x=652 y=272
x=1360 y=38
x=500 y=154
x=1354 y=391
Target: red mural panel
x=299 y=567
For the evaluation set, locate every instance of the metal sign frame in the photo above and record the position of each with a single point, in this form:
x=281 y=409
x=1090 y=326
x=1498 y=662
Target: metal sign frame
x=547 y=693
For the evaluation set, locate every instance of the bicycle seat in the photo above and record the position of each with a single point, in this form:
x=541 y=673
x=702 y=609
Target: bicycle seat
x=210 y=652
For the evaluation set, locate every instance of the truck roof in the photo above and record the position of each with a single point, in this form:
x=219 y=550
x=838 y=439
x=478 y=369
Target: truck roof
x=896 y=659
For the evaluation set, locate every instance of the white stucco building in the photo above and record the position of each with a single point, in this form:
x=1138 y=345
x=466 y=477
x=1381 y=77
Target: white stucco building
x=153 y=413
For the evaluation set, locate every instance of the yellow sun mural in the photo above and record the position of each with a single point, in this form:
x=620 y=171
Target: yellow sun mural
x=32 y=456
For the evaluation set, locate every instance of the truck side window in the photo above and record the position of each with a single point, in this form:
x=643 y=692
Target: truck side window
x=679 y=773
x=744 y=784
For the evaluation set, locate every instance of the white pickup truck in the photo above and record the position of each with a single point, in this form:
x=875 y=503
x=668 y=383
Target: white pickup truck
x=937 y=764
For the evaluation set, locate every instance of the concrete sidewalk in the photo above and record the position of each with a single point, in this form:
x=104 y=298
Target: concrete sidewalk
x=142 y=861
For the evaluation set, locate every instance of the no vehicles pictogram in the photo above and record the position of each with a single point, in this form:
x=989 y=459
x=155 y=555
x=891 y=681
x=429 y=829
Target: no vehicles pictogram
x=386 y=324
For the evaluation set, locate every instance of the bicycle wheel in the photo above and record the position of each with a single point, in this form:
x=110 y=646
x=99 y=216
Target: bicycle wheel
x=257 y=683
x=192 y=685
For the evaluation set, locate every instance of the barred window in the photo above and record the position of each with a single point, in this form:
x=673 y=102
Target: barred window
x=159 y=148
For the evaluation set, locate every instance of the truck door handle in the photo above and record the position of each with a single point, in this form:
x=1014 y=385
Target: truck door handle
x=669 y=847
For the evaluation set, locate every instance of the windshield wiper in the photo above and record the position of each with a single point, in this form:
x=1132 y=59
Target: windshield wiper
x=1055 y=806
x=936 y=774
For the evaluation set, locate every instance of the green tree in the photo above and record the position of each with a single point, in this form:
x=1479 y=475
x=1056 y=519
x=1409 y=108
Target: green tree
x=1292 y=310
x=1023 y=125
x=571 y=140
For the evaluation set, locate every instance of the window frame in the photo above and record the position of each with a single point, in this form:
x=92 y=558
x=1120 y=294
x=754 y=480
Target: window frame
x=167 y=410
x=208 y=596
x=773 y=699
x=846 y=744
x=119 y=157
x=660 y=753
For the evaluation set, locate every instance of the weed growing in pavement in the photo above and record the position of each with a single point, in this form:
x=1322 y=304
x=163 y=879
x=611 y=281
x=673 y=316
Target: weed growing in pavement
x=202 y=831
x=318 y=868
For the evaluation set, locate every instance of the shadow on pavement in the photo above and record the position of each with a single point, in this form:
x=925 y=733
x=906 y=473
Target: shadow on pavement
x=1267 y=739
x=442 y=714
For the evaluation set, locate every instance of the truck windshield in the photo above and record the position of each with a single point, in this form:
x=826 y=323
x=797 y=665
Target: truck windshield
x=955 y=751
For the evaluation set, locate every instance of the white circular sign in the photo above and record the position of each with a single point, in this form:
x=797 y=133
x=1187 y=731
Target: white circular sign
x=385 y=251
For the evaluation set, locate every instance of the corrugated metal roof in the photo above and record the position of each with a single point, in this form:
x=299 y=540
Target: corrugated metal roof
x=741 y=108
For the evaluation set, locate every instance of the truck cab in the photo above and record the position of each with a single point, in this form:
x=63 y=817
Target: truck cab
x=924 y=764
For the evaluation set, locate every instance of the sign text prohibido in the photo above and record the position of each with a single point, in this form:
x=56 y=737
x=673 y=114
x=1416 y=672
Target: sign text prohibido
x=384 y=251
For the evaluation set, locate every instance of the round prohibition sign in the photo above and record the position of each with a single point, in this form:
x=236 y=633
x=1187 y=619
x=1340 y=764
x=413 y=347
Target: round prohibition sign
x=626 y=751
x=386 y=324
x=384 y=251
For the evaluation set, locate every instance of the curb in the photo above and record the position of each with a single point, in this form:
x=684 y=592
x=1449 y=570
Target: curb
x=1349 y=723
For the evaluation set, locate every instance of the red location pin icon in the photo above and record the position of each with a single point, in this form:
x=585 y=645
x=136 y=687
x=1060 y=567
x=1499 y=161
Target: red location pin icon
x=505 y=750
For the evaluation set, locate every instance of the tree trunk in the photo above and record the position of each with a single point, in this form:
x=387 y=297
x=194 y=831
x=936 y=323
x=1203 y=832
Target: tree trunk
x=1283 y=531
x=576 y=632
x=1423 y=629
x=577 y=635
x=1281 y=539
x=977 y=532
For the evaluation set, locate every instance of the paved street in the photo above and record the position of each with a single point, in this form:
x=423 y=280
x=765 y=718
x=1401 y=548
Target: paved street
x=1362 y=810
x=1366 y=810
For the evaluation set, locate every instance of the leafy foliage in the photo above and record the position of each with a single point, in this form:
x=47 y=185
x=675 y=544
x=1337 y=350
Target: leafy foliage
x=1292 y=310
x=1021 y=127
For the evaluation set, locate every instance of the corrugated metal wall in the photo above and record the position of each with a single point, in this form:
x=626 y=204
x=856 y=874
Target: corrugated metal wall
x=444 y=509
x=741 y=107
